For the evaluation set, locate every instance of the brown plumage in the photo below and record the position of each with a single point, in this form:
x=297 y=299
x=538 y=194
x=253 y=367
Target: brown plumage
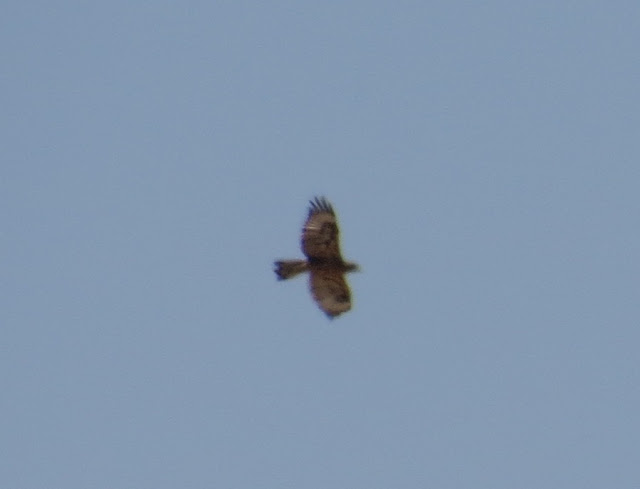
x=324 y=262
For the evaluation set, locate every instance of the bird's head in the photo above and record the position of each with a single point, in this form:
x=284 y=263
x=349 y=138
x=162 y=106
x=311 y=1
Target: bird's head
x=352 y=267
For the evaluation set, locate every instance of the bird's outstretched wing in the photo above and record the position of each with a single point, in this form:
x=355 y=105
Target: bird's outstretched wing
x=320 y=232
x=330 y=291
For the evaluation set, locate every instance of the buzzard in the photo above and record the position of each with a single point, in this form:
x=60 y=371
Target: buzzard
x=324 y=263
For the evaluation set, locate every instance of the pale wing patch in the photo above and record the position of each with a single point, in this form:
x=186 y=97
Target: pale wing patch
x=320 y=232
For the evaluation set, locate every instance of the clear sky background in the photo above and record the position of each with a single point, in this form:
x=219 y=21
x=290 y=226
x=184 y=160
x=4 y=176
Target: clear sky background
x=484 y=161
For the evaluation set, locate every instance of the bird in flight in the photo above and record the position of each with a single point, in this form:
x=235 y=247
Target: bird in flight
x=324 y=262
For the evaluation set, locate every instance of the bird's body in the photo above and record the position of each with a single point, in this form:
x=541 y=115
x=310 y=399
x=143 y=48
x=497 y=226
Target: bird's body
x=324 y=262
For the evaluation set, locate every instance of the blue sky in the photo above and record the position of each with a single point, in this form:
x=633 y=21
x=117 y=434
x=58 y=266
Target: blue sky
x=483 y=158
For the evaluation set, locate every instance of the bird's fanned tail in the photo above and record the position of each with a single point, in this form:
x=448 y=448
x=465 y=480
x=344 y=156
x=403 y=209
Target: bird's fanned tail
x=290 y=268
